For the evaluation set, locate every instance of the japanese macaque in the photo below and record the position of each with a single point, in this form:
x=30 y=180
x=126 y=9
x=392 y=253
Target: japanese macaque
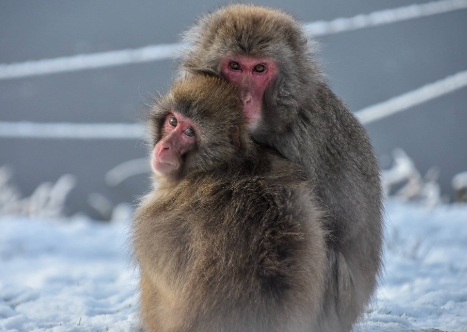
x=230 y=239
x=290 y=108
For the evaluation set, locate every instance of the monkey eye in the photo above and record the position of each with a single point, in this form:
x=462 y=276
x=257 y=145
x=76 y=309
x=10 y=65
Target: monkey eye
x=173 y=121
x=189 y=132
x=234 y=65
x=259 y=68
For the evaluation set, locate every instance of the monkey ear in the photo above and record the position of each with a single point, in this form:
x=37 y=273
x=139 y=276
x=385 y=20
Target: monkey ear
x=235 y=136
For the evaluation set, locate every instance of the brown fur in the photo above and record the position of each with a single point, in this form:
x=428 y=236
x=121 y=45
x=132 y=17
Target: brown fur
x=236 y=242
x=306 y=123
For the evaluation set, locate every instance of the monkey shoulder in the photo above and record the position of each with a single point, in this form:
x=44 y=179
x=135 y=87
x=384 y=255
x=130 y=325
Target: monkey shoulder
x=338 y=129
x=274 y=183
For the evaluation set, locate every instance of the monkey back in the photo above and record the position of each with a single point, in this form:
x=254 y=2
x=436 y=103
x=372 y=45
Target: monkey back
x=234 y=250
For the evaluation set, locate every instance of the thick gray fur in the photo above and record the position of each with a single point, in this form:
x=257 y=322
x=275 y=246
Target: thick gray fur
x=308 y=124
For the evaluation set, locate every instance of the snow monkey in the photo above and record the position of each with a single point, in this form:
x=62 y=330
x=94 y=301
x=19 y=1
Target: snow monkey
x=289 y=107
x=231 y=238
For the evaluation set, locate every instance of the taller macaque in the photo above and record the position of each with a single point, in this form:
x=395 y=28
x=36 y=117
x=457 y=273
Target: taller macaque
x=290 y=108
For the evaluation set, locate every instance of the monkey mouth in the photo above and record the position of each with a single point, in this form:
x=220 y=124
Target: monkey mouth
x=252 y=112
x=163 y=167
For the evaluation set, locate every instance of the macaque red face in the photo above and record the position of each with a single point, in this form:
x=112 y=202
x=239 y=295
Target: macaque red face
x=178 y=137
x=252 y=76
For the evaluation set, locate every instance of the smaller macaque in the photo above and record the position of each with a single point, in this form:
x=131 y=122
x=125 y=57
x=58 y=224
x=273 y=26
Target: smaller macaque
x=230 y=239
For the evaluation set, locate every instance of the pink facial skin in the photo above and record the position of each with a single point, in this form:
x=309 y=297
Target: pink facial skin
x=178 y=137
x=251 y=76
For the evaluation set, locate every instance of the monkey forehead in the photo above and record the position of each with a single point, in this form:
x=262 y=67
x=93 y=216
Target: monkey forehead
x=208 y=99
x=247 y=29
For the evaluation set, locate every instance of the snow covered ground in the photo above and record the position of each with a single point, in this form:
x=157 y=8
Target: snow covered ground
x=77 y=275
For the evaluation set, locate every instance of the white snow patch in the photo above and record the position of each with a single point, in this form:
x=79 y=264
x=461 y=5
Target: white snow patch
x=424 y=285
x=74 y=275
x=77 y=275
x=459 y=181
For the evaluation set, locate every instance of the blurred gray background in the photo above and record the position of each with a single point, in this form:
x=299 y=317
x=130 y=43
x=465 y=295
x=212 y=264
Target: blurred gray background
x=364 y=67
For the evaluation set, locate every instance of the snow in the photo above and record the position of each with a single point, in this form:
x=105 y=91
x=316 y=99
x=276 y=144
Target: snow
x=73 y=275
x=77 y=275
x=425 y=279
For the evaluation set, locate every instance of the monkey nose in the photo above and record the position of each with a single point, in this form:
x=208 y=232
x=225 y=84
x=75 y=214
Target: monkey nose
x=247 y=98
